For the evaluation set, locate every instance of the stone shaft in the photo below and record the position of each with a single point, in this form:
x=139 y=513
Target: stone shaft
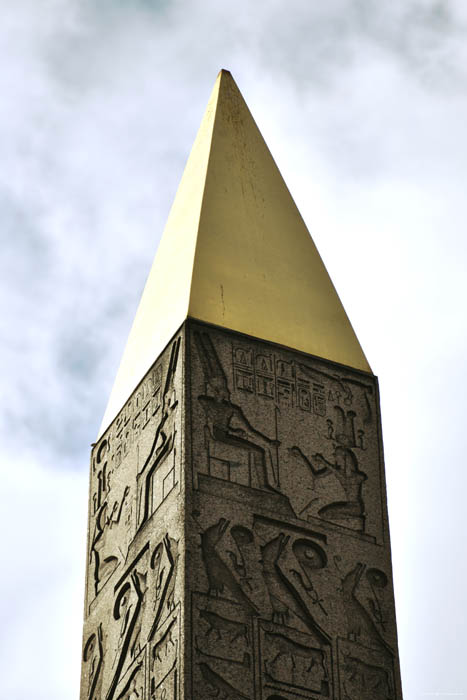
x=238 y=541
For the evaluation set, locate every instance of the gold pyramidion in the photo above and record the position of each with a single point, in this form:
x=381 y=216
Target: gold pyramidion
x=235 y=253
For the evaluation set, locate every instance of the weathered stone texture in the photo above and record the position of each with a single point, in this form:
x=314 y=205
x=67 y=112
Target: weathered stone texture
x=133 y=612
x=238 y=534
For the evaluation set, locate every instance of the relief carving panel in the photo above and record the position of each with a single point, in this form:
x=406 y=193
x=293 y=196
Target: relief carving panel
x=287 y=430
x=134 y=589
x=290 y=572
x=238 y=538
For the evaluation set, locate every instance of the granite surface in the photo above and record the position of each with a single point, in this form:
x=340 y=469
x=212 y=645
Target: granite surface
x=238 y=542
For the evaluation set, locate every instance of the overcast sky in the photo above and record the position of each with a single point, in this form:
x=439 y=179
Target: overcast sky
x=364 y=107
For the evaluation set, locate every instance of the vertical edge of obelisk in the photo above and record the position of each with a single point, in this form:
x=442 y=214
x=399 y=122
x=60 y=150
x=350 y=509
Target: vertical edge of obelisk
x=384 y=497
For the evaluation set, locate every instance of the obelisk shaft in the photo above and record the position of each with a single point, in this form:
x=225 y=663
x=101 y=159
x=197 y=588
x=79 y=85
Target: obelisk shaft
x=238 y=539
x=238 y=535
x=291 y=590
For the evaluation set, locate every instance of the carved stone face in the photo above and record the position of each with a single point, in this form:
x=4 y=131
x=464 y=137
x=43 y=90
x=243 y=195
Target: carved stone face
x=286 y=504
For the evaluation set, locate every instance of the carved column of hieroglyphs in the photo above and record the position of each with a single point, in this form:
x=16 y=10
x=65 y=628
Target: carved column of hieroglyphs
x=290 y=585
x=132 y=632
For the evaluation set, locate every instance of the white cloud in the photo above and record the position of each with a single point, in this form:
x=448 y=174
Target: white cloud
x=363 y=107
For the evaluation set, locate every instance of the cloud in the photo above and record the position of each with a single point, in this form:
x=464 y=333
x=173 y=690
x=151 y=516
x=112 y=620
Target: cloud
x=363 y=107
x=43 y=520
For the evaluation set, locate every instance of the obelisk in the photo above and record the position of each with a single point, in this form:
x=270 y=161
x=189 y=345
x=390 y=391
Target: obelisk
x=238 y=540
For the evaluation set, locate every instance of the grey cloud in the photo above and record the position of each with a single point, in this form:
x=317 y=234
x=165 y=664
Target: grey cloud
x=362 y=106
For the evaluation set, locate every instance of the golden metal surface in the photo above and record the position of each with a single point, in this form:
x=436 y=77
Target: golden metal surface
x=164 y=302
x=236 y=253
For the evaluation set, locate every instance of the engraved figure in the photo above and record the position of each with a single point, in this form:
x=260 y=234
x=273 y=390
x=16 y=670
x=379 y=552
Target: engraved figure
x=157 y=564
x=311 y=558
x=288 y=660
x=133 y=693
x=340 y=387
x=378 y=581
x=319 y=399
x=127 y=608
x=165 y=689
x=163 y=443
x=93 y=656
x=221 y=688
x=284 y=597
x=102 y=551
x=364 y=681
x=345 y=431
x=359 y=621
x=244 y=539
x=163 y=666
x=225 y=421
x=166 y=645
x=219 y=575
x=345 y=468
x=164 y=561
x=233 y=629
x=361 y=439
x=127 y=603
x=133 y=689
x=102 y=482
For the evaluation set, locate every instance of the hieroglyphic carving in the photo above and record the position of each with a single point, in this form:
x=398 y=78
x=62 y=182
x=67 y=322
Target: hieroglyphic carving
x=93 y=662
x=233 y=629
x=293 y=661
x=164 y=659
x=330 y=451
x=110 y=516
x=311 y=558
x=260 y=579
x=378 y=582
x=243 y=558
x=222 y=631
x=142 y=632
x=103 y=557
x=164 y=562
x=134 y=418
x=130 y=597
x=285 y=597
x=241 y=456
x=220 y=576
x=228 y=433
x=365 y=674
x=156 y=478
x=292 y=384
x=134 y=687
x=278 y=585
x=115 y=500
x=133 y=587
x=286 y=498
x=350 y=511
x=294 y=650
x=219 y=685
x=364 y=626
x=222 y=647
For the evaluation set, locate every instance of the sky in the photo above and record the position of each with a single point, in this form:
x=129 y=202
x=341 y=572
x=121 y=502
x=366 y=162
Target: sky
x=363 y=105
